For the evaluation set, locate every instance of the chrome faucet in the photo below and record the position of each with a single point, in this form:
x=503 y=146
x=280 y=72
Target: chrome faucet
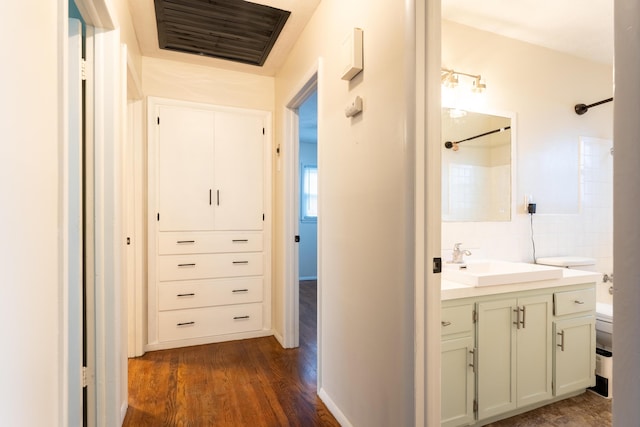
x=458 y=254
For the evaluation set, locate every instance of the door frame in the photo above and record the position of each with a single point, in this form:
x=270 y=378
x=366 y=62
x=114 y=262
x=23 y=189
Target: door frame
x=291 y=328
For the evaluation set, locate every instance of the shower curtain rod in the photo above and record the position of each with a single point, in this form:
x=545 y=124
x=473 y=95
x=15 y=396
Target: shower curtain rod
x=580 y=109
x=450 y=144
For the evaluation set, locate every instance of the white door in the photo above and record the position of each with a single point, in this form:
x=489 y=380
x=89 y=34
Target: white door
x=74 y=209
x=238 y=171
x=185 y=169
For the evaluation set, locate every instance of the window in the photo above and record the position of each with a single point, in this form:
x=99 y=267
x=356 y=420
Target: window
x=309 y=193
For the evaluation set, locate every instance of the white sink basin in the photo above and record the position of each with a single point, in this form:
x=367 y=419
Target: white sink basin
x=491 y=273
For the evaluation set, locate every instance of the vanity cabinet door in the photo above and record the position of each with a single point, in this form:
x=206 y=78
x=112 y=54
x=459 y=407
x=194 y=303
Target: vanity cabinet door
x=496 y=357
x=575 y=356
x=534 y=350
x=514 y=353
x=457 y=381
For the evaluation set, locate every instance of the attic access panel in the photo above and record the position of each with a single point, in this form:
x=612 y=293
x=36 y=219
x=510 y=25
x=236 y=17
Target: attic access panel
x=235 y=30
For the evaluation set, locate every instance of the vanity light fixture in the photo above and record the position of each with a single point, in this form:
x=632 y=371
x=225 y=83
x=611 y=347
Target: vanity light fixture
x=450 y=78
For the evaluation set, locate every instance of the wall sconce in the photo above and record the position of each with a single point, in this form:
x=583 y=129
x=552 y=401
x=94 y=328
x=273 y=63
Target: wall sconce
x=450 y=79
x=458 y=98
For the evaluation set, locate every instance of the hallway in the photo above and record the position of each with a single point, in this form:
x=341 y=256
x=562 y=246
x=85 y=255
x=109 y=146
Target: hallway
x=240 y=383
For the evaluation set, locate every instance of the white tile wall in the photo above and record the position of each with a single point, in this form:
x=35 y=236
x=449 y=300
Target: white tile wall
x=588 y=233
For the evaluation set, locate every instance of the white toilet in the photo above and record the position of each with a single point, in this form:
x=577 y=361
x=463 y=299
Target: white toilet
x=604 y=324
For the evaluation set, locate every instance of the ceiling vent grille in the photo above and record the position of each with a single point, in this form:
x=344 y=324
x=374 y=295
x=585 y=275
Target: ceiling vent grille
x=235 y=30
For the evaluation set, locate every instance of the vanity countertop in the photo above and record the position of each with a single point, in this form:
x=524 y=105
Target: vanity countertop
x=453 y=290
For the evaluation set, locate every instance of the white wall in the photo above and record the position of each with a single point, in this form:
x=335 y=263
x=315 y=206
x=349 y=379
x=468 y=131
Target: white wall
x=188 y=82
x=365 y=228
x=541 y=86
x=31 y=308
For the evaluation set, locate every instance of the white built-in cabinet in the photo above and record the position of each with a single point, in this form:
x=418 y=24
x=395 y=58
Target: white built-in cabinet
x=209 y=233
x=506 y=353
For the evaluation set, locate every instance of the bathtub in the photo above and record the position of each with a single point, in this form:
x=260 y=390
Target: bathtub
x=604 y=316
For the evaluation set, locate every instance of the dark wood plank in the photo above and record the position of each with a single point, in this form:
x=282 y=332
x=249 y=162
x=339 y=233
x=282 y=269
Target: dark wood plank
x=240 y=383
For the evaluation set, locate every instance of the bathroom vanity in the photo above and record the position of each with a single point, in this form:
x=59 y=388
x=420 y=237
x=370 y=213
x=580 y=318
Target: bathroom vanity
x=510 y=348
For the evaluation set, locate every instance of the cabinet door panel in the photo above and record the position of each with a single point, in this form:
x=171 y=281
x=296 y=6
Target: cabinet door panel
x=496 y=357
x=239 y=152
x=575 y=354
x=185 y=169
x=457 y=382
x=534 y=357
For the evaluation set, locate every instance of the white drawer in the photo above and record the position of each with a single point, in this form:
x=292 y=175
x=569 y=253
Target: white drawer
x=211 y=292
x=457 y=320
x=204 y=266
x=201 y=242
x=570 y=302
x=202 y=322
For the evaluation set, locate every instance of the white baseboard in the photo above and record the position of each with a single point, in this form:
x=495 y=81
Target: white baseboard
x=123 y=412
x=279 y=337
x=333 y=408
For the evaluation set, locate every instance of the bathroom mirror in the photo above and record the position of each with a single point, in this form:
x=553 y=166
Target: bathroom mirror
x=477 y=169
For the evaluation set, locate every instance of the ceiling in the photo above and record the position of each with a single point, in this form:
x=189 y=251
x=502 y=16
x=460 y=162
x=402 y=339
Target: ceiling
x=144 y=22
x=578 y=27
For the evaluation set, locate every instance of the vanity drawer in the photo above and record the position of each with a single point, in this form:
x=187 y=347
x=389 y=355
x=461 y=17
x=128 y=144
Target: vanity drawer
x=175 y=243
x=570 y=302
x=212 y=292
x=204 y=266
x=457 y=320
x=201 y=322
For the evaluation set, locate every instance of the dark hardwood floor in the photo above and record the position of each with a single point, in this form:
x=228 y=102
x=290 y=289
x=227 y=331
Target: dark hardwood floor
x=239 y=383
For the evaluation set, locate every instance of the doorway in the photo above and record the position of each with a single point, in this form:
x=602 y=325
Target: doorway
x=301 y=207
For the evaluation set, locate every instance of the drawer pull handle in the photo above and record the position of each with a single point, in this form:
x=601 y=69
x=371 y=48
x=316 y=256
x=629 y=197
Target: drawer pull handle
x=445 y=323
x=241 y=262
x=183 y=242
x=235 y=291
x=473 y=359
x=186 y=323
x=241 y=317
x=579 y=302
x=186 y=295
x=187 y=265
x=240 y=240
x=561 y=345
